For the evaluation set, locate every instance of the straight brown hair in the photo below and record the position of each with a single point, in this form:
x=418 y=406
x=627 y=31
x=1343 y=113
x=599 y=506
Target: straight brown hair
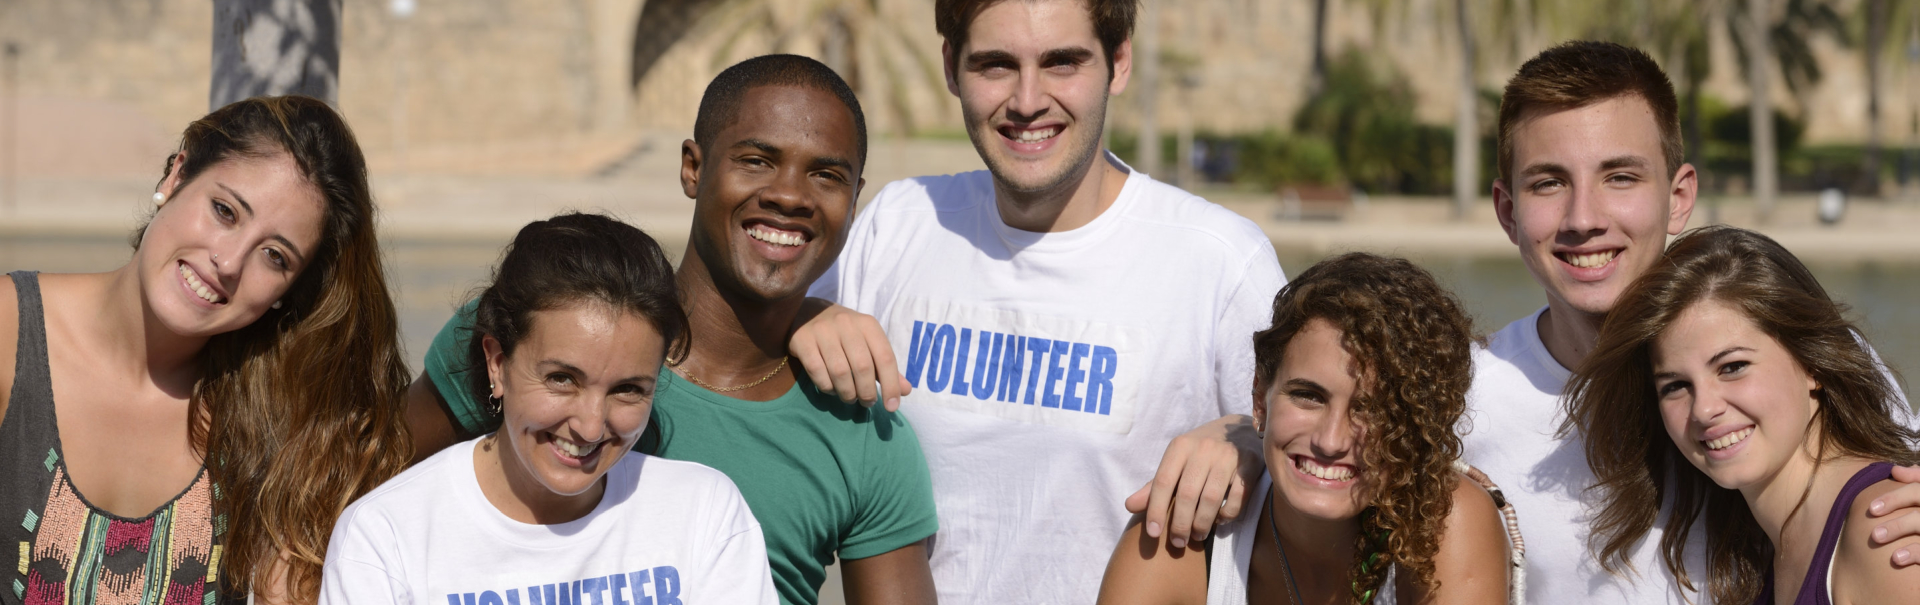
x=1612 y=403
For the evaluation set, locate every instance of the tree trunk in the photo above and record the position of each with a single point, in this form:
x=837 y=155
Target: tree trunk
x=1319 y=77
x=275 y=47
x=1146 y=67
x=1766 y=165
x=1876 y=42
x=1466 y=123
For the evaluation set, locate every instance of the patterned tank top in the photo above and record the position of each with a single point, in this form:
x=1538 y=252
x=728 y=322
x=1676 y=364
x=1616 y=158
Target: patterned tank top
x=63 y=549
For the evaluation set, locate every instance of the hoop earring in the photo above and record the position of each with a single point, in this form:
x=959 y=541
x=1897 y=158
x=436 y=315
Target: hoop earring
x=494 y=402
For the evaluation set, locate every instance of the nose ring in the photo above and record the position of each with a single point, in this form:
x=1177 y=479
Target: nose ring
x=216 y=258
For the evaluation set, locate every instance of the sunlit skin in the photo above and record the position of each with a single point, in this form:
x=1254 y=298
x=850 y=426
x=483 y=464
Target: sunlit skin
x=1308 y=415
x=786 y=167
x=1589 y=186
x=583 y=376
x=125 y=343
x=1037 y=70
x=244 y=228
x=1718 y=377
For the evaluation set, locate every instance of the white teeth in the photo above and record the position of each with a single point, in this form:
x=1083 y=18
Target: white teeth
x=1727 y=440
x=1035 y=136
x=780 y=238
x=1330 y=473
x=1589 y=261
x=576 y=450
x=199 y=287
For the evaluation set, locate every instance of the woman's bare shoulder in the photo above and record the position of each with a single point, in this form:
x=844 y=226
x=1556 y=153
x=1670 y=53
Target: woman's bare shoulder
x=1863 y=570
x=1471 y=563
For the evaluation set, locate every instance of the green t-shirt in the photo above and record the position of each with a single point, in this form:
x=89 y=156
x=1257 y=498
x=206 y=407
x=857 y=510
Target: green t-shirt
x=821 y=476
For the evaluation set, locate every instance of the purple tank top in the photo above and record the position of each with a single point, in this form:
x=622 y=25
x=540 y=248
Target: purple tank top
x=1813 y=590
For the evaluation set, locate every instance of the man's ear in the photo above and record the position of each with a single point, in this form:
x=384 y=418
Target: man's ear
x=1503 y=210
x=1122 y=68
x=1686 y=189
x=690 y=159
x=947 y=67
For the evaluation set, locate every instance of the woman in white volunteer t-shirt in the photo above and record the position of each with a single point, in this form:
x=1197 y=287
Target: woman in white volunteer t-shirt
x=553 y=507
x=1359 y=383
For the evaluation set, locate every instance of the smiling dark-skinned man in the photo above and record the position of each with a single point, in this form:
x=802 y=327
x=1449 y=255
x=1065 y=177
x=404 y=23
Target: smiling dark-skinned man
x=774 y=168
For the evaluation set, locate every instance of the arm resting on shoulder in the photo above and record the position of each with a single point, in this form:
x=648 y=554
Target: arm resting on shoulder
x=1146 y=570
x=897 y=576
x=1203 y=479
x=428 y=419
x=1471 y=565
x=1864 y=566
x=847 y=354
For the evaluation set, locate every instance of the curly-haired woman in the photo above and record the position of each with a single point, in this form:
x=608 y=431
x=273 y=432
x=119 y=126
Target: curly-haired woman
x=186 y=428
x=1360 y=381
x=1773 y=411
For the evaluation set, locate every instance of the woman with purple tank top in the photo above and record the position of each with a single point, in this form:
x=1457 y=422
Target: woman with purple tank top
x=1774 y=412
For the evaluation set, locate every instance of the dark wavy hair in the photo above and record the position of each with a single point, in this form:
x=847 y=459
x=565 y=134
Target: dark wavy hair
x=1612 y=403
x=1413 y=345
x=568 y=259
x=1112 y=23
x=299 y=413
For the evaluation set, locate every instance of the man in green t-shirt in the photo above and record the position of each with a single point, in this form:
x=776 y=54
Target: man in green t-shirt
x=774 y=169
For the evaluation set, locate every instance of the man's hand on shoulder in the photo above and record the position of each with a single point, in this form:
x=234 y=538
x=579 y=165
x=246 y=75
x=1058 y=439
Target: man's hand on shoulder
x=847 y=354
x=1203 y=479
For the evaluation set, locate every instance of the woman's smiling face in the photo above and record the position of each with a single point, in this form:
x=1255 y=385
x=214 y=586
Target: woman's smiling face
x=228 y=244
x=1734 y=401
x=1312 y=440
x=575 y=394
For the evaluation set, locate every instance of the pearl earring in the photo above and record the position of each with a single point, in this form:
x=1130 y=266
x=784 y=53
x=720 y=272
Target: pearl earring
x=276 y=304
x=159 y=199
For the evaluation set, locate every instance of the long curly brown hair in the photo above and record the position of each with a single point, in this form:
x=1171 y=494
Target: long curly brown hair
x=1413 y=344
x=1612 y=403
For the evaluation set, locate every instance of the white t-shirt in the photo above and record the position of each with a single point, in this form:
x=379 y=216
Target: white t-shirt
x=1080 y=355
x=665 y=533
x=1515 y=409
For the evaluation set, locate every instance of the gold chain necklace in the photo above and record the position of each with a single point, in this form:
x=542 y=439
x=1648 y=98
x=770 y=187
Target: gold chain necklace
x=718 y=389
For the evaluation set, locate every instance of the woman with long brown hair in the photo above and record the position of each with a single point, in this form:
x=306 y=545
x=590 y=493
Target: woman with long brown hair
x=186 y=428
x=1726 y=381
x=1357 y=389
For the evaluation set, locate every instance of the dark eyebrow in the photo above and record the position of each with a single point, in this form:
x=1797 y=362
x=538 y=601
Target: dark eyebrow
x=298 y=256
x=1625 y=161
x=989 y=56
x=1302 y=383
x=763 y=146
x=564 y=366
x=1543 y=168
x=1075 y=54
x=236 y=197
x=1730 y=350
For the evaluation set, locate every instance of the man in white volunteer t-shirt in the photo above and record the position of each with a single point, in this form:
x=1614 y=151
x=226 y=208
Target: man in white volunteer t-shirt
x=1061 y=317
x=1592 y=182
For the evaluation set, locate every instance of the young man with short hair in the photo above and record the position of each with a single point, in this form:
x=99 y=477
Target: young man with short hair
x=1592 y=181
x=1062 y=317
x=774 y=168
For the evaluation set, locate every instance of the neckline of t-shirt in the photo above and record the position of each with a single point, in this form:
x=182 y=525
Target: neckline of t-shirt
x=670 y=380
x=1537 y=346
x=1073 y=238
x=620 y=486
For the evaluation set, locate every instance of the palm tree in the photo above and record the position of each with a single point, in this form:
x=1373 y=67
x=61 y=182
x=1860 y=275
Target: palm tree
x=1878 y=14
x=300 y=55
x=1766 y=41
